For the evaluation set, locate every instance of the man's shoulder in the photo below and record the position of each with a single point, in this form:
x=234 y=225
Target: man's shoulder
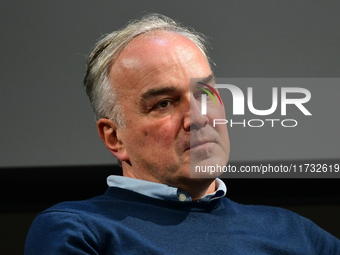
x=260 y=213
x=98 y=205
x=272 y=220
x=71 y=211
x=113 y=204
x=71 y=221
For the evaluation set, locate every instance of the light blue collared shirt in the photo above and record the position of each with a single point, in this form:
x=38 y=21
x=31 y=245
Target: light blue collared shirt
x=162 y=191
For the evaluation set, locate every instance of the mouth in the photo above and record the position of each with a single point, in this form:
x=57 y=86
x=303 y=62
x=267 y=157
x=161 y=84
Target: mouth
x=199 y=144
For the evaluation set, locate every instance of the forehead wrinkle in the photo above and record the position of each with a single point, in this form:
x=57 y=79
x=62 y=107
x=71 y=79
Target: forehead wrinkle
x=149 y=70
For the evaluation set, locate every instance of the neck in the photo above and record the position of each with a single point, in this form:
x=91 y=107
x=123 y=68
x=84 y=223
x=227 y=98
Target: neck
x=200 y=189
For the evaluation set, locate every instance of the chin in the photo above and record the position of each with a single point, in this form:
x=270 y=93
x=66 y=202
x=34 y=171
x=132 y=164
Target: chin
x=186 y=181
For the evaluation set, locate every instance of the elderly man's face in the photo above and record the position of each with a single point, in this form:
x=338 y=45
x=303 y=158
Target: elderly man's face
x=152 y=76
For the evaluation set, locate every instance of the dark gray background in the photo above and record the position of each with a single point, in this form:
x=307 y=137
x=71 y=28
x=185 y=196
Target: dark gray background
x=46 y=119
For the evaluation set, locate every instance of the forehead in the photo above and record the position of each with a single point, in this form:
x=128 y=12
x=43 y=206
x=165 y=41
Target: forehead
x=151 y=57
x=152 y=43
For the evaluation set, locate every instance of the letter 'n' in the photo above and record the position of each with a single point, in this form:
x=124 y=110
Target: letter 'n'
x=238 y=97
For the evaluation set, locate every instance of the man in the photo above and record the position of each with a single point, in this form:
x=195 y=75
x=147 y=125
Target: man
x=144 y=83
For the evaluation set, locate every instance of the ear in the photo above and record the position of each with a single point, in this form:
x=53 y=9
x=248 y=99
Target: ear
x=107 y=130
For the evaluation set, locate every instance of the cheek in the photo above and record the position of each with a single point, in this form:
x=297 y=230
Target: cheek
x=216 y=113
x=166 y=139
x=219 y=113
x=160 y=132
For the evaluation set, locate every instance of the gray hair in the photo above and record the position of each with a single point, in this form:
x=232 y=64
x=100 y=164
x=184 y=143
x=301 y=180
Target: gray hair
x=101 y=92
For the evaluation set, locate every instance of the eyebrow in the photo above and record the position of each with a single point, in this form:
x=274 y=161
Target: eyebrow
x=158 y=91
x=207 y=79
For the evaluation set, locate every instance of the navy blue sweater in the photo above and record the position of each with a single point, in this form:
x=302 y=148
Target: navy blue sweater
x=125 y=222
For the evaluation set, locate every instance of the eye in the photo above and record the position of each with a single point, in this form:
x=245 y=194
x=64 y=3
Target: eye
x=163 y=104
x=206 y=91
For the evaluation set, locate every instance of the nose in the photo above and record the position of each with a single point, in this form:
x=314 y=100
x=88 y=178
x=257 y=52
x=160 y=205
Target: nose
x=193 y=117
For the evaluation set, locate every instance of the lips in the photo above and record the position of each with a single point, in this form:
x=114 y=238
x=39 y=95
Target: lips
x=194 y=142
x=198 y=143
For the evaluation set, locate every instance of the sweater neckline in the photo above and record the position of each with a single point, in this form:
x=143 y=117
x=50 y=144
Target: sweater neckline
x=132 y=196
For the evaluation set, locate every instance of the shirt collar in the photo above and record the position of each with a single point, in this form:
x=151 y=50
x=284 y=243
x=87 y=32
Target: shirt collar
x=162 y=191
